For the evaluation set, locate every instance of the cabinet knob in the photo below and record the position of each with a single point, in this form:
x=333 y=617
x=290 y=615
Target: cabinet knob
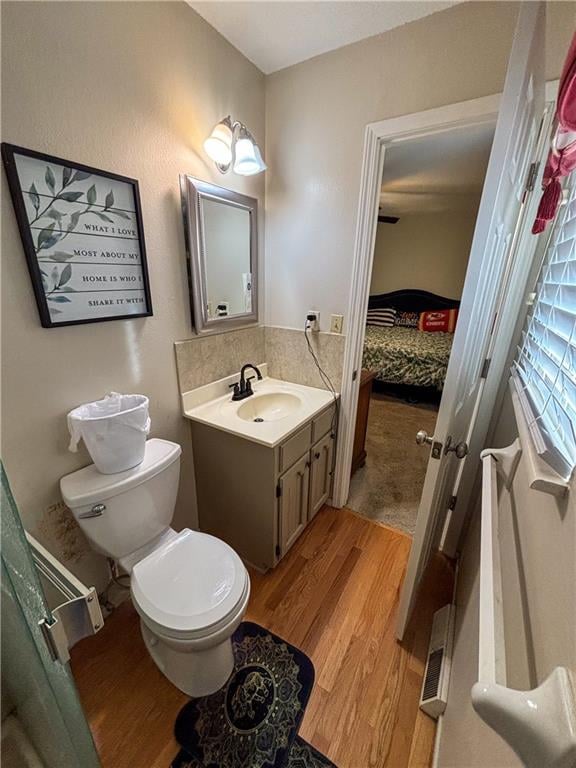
x=317 y=455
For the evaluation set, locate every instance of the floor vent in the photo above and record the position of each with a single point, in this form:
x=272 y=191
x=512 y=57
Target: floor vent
x=435 y=685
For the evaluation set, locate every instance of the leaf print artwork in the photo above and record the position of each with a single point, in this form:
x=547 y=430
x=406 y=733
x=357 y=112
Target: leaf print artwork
x=59 y=281
x=74 y=219
x=82 y=237
x=59 y=299
x=51 y=241
x=81 y=175
x=65 y=275
x=70 y=197
x=45 y=235
x=50 y=179
x=34 y=197
x=47 y=240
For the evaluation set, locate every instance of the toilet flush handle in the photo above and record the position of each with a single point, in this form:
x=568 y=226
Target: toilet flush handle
x=96 y=511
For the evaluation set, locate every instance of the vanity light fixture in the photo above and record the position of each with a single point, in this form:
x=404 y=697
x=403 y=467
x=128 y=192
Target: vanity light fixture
x=231 y=145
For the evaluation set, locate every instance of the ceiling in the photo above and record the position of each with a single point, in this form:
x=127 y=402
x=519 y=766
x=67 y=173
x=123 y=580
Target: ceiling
x=433 y=174
x=274 y=35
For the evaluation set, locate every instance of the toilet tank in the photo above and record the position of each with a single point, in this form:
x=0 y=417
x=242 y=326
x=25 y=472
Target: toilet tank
x=122 y=512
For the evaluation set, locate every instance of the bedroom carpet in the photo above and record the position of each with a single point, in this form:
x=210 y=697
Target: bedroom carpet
x=388 y=487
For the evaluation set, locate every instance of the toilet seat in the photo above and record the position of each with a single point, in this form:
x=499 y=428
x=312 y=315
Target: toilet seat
x=190 y=587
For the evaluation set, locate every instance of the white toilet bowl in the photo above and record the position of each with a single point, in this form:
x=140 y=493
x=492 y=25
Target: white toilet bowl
x=191 y=595
x=190 y=589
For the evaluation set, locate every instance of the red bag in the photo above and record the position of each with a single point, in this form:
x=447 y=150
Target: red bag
x=562 y=156
x=438 y=320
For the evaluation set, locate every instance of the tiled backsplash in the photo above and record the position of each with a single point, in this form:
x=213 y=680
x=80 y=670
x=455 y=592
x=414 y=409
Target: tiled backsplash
x=208 y=358
x=288 y=357
x=205 y=359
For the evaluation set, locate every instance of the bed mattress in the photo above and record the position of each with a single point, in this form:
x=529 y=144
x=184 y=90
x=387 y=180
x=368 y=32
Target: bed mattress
x=407 y=356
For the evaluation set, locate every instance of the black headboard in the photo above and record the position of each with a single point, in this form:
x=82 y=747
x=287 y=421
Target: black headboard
x=411 y=300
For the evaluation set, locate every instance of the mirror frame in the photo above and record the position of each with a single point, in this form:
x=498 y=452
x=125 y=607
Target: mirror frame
x=192 y=192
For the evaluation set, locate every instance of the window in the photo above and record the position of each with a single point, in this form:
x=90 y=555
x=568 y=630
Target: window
x=546 y=361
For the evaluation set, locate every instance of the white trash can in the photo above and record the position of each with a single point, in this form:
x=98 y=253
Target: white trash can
x=114 y=431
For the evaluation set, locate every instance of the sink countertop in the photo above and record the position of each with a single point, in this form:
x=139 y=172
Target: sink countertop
x=221 y=412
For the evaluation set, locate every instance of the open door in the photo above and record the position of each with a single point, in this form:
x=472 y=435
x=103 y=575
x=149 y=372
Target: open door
x=45 y=723
x=455 y=445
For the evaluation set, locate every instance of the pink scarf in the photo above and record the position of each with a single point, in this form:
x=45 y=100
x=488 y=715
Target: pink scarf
x=562 y=156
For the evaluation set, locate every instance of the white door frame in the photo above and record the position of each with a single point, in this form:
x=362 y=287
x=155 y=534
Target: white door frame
x=377 y=136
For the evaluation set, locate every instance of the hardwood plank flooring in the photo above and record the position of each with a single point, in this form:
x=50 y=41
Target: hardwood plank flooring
x=335 y=596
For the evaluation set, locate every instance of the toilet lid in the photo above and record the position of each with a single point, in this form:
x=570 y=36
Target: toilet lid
x=189 y=584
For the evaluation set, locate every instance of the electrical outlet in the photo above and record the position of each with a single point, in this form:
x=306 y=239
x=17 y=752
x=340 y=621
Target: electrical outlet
x=313 y=324
x=336 y=323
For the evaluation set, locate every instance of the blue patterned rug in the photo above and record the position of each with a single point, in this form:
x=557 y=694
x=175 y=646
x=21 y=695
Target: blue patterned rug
x=253 y=721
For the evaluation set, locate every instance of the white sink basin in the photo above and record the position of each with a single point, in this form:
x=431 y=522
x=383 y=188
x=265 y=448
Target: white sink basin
x=275 y=410
x=271 y=406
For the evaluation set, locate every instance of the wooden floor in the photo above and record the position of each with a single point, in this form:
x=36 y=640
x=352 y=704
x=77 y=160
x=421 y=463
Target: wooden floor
x=335 y=596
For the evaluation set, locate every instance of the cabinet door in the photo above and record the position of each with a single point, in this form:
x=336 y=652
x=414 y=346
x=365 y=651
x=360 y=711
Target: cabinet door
x=293 y=503
x=321 y=473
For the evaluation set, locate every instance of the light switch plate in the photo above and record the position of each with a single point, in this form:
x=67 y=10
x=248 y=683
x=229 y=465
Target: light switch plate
x=336 y=323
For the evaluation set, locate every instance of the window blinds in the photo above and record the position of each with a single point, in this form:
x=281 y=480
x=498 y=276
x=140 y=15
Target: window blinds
x=546 y=361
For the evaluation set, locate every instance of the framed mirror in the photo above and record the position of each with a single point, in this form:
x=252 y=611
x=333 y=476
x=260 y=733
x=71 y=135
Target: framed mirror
x=221 y=230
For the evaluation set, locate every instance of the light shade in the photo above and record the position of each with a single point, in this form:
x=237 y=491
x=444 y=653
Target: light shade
x=218 y=145
x=248 y=159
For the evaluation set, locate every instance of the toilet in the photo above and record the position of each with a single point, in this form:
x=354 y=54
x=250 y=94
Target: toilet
x=189 y=588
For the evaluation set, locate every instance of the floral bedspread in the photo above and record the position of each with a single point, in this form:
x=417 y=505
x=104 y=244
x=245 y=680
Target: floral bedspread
x=407 y=355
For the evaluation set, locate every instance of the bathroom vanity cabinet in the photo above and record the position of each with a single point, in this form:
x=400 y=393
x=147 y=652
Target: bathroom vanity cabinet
x=258 y=498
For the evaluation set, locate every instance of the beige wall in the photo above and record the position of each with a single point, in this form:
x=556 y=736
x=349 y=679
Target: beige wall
x=135 y=88
x=132 y=88
x=316 y=113
x=427 y=251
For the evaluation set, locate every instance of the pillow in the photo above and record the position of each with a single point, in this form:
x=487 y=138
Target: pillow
x=407 y=319
x=438 y=320
x=381 y=317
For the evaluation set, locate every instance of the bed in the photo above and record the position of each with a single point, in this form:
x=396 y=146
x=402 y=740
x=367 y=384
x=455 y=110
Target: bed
x=407 y=357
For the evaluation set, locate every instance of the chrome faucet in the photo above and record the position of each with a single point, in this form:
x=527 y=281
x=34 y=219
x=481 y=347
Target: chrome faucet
x=243 y=388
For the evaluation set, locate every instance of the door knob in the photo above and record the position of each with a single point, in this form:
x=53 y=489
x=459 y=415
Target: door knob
x=423 y=437
x=460 y=449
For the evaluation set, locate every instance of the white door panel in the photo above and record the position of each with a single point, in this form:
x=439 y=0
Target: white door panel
x=493 y=246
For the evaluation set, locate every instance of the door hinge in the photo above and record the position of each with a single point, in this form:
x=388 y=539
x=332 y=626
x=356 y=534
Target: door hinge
x=277 y=550
x=354 y=375
x=485 y=368
x=278 y=491
x=452 y=503
x=531 y=179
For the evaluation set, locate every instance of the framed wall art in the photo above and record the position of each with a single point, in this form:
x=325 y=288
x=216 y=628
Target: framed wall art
x=83 y=238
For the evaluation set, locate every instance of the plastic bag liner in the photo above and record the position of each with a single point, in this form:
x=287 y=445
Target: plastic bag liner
x=114 y=431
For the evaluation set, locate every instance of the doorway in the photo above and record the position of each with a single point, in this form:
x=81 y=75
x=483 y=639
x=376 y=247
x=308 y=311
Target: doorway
x=429 y=196
x=491 y=298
